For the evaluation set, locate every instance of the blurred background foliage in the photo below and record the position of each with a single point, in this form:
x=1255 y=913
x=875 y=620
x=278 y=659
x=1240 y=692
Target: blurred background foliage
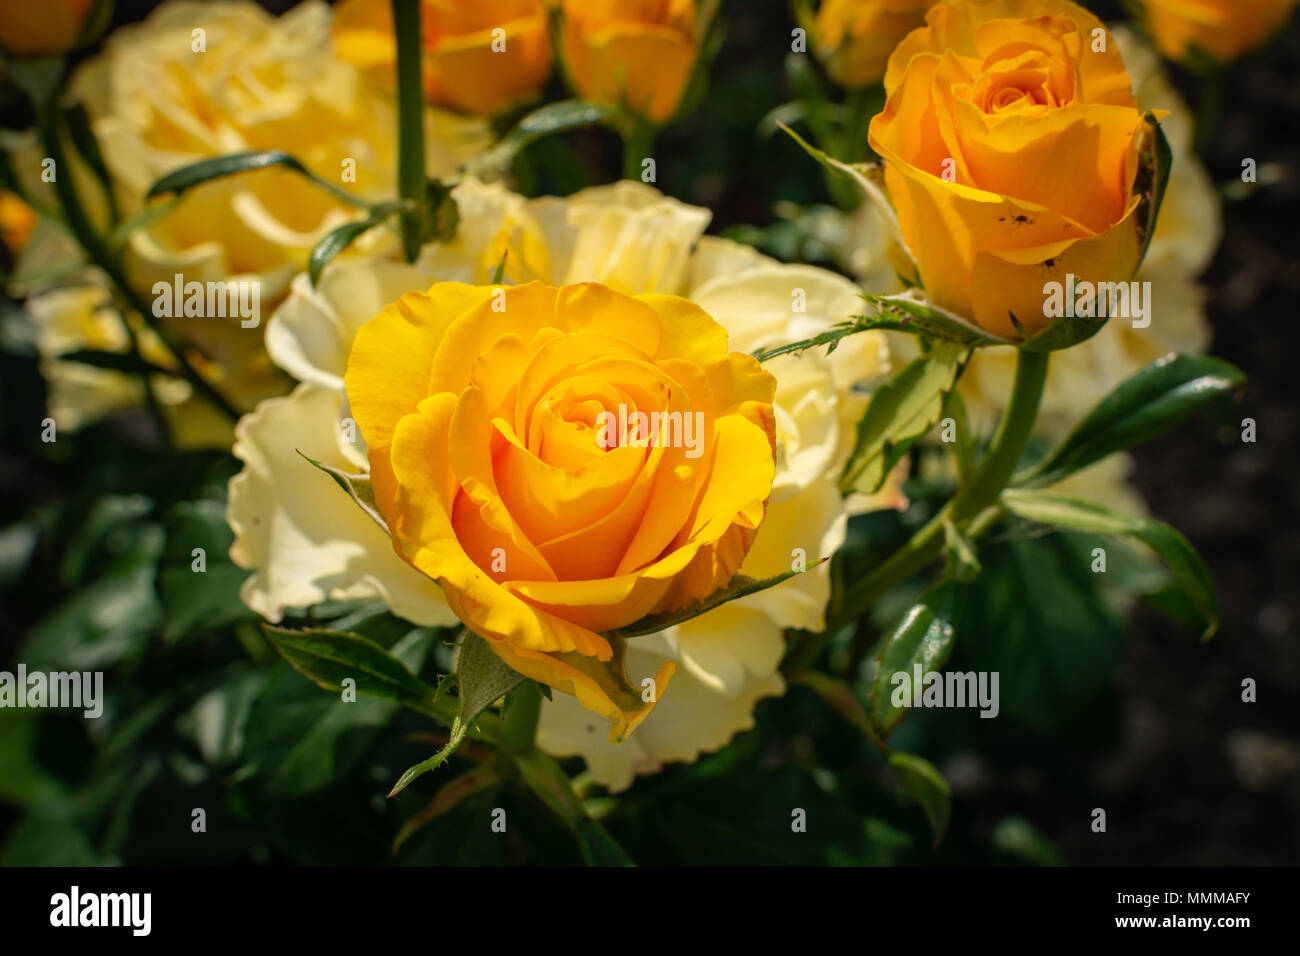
x=1104 y=705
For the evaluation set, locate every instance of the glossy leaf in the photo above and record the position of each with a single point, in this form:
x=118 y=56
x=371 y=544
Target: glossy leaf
x=1149 y=403
x=481 y=678
x=339 y=238
x=1075 y=514
x=357 y=487
x=330 y=657
x=900 y=414
x=924 y=637
x=927 y=788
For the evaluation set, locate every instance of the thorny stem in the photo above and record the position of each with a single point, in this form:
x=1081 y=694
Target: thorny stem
x=975 y=506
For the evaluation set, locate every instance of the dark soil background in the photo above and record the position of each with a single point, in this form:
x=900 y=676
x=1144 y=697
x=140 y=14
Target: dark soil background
x=1191 y=774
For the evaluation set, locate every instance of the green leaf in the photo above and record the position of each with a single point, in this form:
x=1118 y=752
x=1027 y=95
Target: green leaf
x=339 y=238
x=23 y=780
x=206 y=170
x=358 y=488
x=482 y=678
x=552 y=785
x=303 y=740
x=866 y=175
x=1038 y=618
x=107 y=621
x=122 y=232
x=900 y=414
x=1149 y=403
x=924 y=637
x=330 y=657
x=1020 y=840
x=441 y=214
x=738 y=587
x=1075 y=514
x=813 y=98
x=1156 y=160
x=927 y=788
x=199 y=601
x=1065 y=332
x=552 y=118
x=218 y=721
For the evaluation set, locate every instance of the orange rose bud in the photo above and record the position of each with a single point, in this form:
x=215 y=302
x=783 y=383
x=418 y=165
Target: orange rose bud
x=17 y=220
x=31 y=28
x=855 y=37
x=633 y=53
x=479 y=57
x=1221 y=30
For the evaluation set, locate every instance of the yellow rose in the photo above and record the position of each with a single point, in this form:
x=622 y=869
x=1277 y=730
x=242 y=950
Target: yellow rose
x=199 y=80
x=42 y=29
x=1012 y=145
x=855 y=37
x=564 y=462
x=480 y=56
x=633 y=53
x=305 y=544
x=1184 y=241
x=1221 y=29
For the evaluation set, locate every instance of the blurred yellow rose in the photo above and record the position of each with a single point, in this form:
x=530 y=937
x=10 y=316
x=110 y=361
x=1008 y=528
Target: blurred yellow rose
x=1011 y=141
x=633 y=53
x=304 y=548
x=854 y=38
x=479 y=57
x=40 y=29
x=1220 y=29
x=198 y=80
